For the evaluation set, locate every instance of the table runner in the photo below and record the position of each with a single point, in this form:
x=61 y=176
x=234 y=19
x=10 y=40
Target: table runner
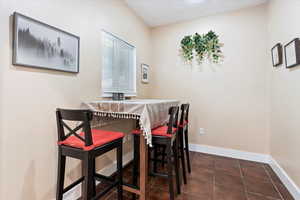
x=150 y=113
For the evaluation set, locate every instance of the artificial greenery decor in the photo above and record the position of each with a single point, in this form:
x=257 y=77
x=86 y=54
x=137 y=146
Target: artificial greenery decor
x=200 y=44
x=203 y=46
x=187 y=46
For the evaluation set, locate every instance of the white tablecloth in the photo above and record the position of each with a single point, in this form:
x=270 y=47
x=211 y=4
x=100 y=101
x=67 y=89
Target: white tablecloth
x=151 y=113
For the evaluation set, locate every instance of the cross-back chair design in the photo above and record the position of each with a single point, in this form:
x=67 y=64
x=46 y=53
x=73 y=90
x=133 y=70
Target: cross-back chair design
x=85 y=144
x=83 y=116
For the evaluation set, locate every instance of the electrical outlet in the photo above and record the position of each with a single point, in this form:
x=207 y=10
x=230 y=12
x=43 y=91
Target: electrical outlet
x=201 y=131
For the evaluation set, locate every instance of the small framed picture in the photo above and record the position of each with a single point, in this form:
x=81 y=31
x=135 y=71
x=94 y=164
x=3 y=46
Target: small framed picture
x=277 y=55
x=145 y=73
x=292 y=53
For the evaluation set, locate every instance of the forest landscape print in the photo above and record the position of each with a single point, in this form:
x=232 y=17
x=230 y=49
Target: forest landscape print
x=42 y=46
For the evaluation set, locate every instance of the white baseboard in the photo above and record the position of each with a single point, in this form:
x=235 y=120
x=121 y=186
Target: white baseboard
x=75 y=192
x=286 y=180
x=264 y=158
x=257 y=157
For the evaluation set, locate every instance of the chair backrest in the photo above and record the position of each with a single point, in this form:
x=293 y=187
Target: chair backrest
x=173 y=119
x=83 y=116
x=184 y=117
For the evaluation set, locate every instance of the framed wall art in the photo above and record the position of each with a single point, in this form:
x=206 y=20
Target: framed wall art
x=145 y=73
x=39 y=45
x=292 y=53
x=277 y=55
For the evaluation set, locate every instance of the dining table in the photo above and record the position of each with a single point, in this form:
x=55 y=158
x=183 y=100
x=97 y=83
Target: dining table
x=149 y=113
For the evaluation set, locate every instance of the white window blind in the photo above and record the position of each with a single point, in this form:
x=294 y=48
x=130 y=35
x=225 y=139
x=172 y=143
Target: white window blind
x=119 y=66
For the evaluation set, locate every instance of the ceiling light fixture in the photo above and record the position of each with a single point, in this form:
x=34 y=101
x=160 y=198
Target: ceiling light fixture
x=195 y=1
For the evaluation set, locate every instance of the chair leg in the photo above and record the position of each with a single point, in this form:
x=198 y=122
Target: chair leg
x=170 y=171
x=155 y=159
x=181 y=147
x=93 y=180
x=136 y=147
x=176 y=162
x=120 y=169
x=187 y=151
x=87 y=193
x=163 y=156
x=60 y=175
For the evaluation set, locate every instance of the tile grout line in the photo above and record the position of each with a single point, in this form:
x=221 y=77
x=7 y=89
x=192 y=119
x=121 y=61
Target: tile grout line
x=273 y=183
x=214 y=181
x=247 y=192
x=243 y=180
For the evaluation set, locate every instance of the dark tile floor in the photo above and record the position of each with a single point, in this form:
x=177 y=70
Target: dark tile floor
x=220 y=178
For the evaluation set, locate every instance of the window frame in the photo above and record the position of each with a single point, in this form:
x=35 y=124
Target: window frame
x=134 y=70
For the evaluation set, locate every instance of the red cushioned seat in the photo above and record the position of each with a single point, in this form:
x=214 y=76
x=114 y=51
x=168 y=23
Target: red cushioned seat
x=159 y=131
x=162 y=131
x=100 y=137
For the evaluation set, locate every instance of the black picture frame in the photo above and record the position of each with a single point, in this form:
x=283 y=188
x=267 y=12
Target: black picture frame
x=292 y=53
x=277 y=54
x=65 y=55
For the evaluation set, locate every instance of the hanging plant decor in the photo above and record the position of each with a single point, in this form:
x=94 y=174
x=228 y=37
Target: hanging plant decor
x=203 y=46
x=187 y=46
x=200 y=47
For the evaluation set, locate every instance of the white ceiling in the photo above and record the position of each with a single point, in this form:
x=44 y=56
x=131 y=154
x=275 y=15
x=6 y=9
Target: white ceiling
x=163 y=12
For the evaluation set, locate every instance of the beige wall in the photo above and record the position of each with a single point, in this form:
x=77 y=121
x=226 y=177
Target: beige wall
x=228 y=100
x=1 y=124
x=29 y=97
x=285 y=84
x=241 y=103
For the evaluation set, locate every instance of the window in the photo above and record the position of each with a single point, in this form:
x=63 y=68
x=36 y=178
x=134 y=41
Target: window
x=119 y=66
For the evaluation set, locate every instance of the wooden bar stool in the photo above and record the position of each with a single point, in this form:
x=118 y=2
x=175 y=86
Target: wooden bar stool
x=183 y=144
x=86 y=146
x=163 y=136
